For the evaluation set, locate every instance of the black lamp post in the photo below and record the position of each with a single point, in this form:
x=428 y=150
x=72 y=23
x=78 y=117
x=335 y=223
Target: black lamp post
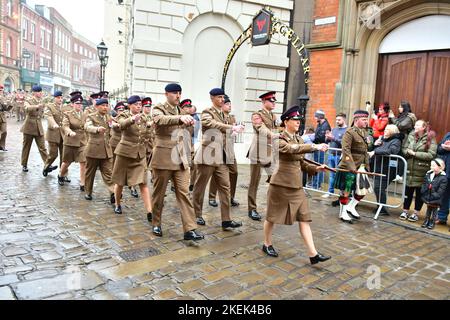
x=102 y=51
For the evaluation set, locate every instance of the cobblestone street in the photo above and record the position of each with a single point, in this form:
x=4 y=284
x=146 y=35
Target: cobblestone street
x=56 y=245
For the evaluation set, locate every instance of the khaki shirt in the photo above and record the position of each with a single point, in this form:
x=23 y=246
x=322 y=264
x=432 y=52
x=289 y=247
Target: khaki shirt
x=354 y=149
x=98 y=146
x=260 y=150
x=132 y=141
x=74 y=122
x=34 y=112
x=54 y=115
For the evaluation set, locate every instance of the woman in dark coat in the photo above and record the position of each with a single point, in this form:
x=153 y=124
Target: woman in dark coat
x=287 y=201
x=389 y=144
x=406 y=119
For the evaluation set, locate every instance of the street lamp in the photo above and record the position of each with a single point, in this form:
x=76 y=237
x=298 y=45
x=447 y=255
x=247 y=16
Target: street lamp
x=102 y=51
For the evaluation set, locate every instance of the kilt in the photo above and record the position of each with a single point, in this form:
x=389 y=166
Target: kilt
x=129 y=171
x=73 y=154
x=345 y=181
x=287 y=205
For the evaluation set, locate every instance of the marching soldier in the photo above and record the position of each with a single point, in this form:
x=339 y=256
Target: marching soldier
x=98 y=151
x=4 y=107
x=150 y=133
x=354 y=156
x=116 y=133
x=170 y=161
x=32 y=128
x=130 y=167
x=186 y=109
x=74 y=140
x=260 y=150
x=19 y=105
x=232 y=167
x=54 y=114
x=212 y=157
x=91 y=109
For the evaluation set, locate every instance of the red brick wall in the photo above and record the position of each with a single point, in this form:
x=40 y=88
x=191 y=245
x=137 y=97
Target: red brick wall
x=325 y=73
x=327 y=32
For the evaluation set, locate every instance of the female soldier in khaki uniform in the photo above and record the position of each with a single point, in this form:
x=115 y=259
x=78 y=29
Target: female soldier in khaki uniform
x=287 y=201
x=116 y=133
x=74 y=140
x=130 y=167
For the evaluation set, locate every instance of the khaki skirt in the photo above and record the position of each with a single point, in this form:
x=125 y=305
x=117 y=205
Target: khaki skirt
x=129 y=172
x=287 y=205
x=73 y=154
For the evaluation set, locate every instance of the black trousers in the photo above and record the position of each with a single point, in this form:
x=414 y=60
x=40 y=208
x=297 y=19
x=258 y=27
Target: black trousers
x=409 y=193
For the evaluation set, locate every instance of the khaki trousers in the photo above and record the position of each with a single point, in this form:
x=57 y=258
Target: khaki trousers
x=53 y=149
x=233 y=172
x=105 y=166
x=3 y=133
x=180 y=180
x=27 y=141
x=222 y=178
x=255 y=178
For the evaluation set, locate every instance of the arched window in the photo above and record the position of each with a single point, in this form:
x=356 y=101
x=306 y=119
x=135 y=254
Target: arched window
x=8 y=47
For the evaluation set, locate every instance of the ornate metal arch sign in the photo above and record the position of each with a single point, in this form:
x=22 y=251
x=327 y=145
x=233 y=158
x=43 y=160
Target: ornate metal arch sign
x=265 y=25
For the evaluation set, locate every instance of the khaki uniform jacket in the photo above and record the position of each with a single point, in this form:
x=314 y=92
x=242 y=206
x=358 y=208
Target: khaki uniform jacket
x=54 y=115
x=74 y=122
x=5 y=105
x=19 y=102
x=354 y=150
x=132 y=142
x=289 y=171
x=149 y=133
x=116 y=134
x=34 y=112
x=171 y=150
x=98 y=146
x=262 y=137
x=213 y=118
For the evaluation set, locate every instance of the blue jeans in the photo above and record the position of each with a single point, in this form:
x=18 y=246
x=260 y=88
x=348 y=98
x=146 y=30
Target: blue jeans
x=445 y=204
x=333 y=161
x=319 y=156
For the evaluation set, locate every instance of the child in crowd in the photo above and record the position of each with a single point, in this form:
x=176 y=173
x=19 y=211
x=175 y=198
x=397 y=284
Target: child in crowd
x=433 y=190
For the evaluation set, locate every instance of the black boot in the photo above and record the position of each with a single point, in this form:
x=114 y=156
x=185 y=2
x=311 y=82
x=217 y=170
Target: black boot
x=60 y=180
x=432 y=219
x=318 y=258
x=427 y=219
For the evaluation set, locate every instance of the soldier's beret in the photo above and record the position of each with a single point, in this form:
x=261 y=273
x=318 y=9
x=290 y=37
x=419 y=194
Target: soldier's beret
x=292 y=113
x=101 y=101
x=58 y=94
x=75 y=93
x=227 y=99
x=217 y=92
x=133 y=99
x=186 y=103
x=173 y=87
x=103 y=94
x=76 y=98
x=120 y=105
x=36 y=88
x=360 y=114
x=268 y=96
x=147 y=102
x=95 y=95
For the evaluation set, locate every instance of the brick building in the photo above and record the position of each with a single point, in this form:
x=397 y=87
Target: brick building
x=37 y=41
x=10 y=44
x=85 y=65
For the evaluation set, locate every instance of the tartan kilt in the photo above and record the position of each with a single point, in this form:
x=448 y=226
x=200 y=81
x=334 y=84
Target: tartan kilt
x=345 y=181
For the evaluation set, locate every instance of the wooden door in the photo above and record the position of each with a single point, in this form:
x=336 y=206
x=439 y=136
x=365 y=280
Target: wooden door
x=423 y=79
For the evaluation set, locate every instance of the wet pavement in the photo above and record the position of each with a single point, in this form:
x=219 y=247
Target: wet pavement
x=56 y=245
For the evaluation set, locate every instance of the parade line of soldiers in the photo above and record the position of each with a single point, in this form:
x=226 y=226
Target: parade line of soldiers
x=142 y=139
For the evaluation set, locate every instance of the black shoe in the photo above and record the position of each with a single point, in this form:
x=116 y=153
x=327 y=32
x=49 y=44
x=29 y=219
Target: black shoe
x=51 y=168
x=425 y=223
x=24 y=169
x=269 y=250
x=335 y=203
x=112 y=198
x=191 y=188
x=3 y=149
x=134 y=193
x=254 y=215
x=200 y=221
x=118 y=210
x=88 y=197
x=157 y=231
x=60 y=180
x=319 y=258
x=234 y=203
x=82 y=188
x=67 y=180
x=172 y=188
x=193 y=235
x=149 y=217
x=230 y=224
x=213 y=203
x=431 y=224
x=45 y=172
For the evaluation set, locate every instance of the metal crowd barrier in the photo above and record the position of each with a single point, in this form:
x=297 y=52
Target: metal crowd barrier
x=393 y=166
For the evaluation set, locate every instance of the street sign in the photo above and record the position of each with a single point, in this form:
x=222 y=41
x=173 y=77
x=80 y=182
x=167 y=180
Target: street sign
x=26 y=55
x=262 y=28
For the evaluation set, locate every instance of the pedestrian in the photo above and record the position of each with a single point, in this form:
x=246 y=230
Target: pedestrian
x=98 y=151
x=389 y=144
x=260 y=151
x=323 y=126
x=354 y=158
x=432 y=191
x=170 y=162
x=444 y=153
x=32 y=128
x=212 y=157
x=130 y=167
x=419 y=150
x=54 y=134
x=334 y=139
x=405 y=121
x=74 y=140
x=5 y=106
x=379 y=120
x=286 y=199
x=232 y=167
